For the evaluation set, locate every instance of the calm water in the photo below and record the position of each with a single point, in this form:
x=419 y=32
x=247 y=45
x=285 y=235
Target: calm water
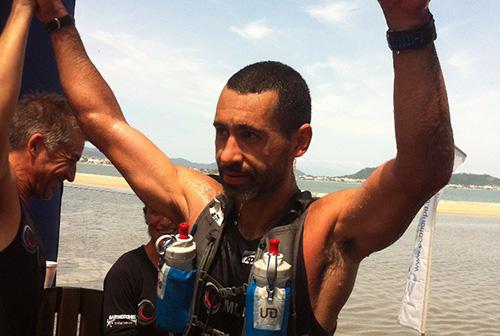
x=469 y=195
x=99 y=225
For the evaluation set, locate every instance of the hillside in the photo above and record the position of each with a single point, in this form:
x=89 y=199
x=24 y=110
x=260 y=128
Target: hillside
x=206 y=167
x=461 y=179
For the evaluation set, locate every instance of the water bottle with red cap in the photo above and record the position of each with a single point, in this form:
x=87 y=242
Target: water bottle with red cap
x=176 y=277
x=268 y=294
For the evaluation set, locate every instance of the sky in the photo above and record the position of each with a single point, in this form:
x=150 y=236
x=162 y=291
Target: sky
x=167 y=62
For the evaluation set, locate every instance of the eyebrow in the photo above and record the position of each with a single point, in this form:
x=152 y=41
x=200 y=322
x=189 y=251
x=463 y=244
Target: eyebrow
x=240 y=127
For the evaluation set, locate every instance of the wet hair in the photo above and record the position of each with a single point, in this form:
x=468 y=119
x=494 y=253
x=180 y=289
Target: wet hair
x=294 y=100
x=46 y=113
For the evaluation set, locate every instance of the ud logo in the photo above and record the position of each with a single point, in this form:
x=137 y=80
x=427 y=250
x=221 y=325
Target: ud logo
x=268 y=313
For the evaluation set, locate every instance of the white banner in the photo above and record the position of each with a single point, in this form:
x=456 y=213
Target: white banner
x=413 y=311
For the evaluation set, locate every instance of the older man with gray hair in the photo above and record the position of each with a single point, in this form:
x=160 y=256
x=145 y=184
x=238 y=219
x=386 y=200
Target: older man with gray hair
x=40 y=144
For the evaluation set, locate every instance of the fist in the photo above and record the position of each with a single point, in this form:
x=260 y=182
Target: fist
x=405 y=14
x=46 y=10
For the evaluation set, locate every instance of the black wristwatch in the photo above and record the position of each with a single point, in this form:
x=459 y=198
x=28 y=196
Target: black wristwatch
x=58 y=23
x=412 y=39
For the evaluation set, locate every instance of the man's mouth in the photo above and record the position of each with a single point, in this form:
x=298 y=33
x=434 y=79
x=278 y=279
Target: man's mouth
x=233 y=178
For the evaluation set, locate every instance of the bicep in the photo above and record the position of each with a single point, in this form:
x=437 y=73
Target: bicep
x=375 y=215
x=149 y=172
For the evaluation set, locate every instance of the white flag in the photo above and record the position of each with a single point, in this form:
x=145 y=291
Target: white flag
x=413 y=311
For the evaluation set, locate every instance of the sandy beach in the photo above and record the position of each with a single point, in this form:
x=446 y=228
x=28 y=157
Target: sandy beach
x=476 y=209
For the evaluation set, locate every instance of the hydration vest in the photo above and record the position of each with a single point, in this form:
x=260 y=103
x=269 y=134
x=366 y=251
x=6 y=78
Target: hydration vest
x=209 y=231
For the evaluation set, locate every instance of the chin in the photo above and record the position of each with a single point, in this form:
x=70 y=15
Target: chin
x=241 y=194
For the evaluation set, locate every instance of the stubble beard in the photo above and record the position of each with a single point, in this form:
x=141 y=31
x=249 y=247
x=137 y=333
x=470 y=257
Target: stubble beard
x=263 y=184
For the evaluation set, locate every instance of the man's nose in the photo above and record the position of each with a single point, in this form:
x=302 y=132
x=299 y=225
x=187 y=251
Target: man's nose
x=231 y=152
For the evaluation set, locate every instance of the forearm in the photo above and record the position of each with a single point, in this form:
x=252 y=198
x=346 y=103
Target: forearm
x=423 y=130
x=90 y=97
x=12 y=49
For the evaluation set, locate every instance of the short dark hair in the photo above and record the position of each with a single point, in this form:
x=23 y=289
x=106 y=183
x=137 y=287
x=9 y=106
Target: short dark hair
x=45 y=113
x=294 y=100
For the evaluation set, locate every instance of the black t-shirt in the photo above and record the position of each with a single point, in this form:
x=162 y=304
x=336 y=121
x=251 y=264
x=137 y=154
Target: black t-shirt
x=22 y=273
x=130 y=281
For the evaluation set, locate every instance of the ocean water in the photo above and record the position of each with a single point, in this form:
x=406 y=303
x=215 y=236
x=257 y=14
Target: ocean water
x=323 y=187
x=98 y=225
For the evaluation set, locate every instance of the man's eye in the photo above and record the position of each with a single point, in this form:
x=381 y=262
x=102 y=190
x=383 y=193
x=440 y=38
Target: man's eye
x=249 y=135
x=219 y=131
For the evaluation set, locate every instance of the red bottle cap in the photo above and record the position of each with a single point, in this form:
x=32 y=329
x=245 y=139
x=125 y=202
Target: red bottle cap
x=273 y=247
x=183 y=231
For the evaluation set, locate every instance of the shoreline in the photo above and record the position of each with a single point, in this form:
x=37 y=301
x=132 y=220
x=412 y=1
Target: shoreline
x=445 y=207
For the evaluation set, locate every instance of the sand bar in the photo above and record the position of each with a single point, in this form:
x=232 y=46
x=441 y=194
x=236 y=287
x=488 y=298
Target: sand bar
x=101 y=181
x=458 y=208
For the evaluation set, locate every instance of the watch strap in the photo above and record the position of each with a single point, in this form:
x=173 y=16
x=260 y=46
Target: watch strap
x=59 y=22
x=412 y=39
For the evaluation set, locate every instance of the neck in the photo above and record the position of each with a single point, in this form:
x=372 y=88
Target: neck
x=151 y=253
x=22 y=173
x=255 y=216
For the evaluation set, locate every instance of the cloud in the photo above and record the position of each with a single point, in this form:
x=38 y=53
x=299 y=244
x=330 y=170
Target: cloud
x=255 y=30
x=153 y=70
x=461 y=62
x=334 y=12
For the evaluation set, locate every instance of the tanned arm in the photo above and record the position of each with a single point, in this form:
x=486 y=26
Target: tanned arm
x=146 y=168
x=12 y=49
x=354 y=223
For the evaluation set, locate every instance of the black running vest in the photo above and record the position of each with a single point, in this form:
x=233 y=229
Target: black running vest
x=225 y=261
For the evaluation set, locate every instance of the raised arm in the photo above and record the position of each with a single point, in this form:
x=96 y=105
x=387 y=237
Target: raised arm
x=391 y=197
x=374 y=216
x=12 y=48
x=146 y=168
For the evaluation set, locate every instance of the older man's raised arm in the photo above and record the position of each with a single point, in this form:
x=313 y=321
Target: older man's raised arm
x=12 y=49
x=147 y=169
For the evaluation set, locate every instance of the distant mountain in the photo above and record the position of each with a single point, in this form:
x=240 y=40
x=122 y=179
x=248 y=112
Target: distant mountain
x=93 y=153
x=190 y=164
x=475 y=179
x=362 y=174
x=209 y=167
x=462 y=179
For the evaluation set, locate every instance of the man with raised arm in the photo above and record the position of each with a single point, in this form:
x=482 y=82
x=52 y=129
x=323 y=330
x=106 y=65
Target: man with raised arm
x=262 y=125
x=40 y=143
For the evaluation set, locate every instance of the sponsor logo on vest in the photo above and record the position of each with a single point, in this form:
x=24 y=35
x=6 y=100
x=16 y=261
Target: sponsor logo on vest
x=231 y=307
x=268 y=313
x=248 y=257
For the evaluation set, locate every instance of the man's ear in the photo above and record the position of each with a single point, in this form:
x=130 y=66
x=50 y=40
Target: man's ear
x=34 y=144
x=302 y=140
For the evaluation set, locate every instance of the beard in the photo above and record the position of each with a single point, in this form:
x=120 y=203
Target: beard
x=262 y=182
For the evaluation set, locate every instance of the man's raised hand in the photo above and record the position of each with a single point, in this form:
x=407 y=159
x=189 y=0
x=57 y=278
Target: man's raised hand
x=46 y=10
x=405 y=14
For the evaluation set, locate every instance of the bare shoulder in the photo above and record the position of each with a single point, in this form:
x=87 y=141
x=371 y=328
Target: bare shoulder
x=199 y=189
x=10 y=210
